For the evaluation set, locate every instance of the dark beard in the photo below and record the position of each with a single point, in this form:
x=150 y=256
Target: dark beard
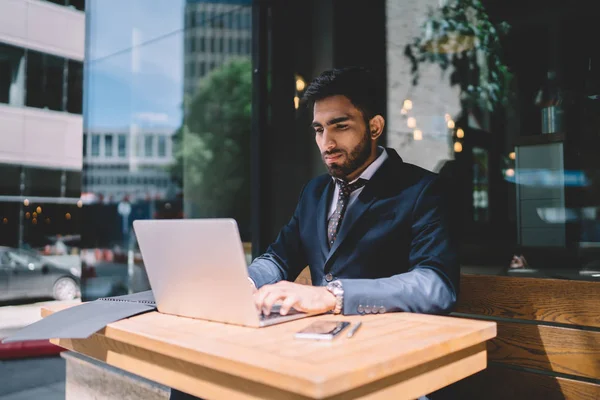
x=357 y=157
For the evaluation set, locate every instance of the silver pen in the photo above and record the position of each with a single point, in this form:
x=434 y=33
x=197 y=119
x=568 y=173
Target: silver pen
x=354 y=329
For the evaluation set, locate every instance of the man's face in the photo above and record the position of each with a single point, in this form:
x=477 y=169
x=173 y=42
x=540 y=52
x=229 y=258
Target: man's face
x=342 y=137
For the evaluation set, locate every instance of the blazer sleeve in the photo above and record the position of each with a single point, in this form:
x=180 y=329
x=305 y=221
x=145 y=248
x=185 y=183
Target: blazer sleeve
x=431 y=284
x=285 y=258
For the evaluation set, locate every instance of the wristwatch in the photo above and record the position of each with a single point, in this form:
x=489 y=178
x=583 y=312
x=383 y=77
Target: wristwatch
x=337 y=290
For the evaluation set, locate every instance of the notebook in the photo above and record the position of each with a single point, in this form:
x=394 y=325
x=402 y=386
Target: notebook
x=81 y=321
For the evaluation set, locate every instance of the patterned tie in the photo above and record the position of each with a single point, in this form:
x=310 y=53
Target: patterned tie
x=336 y=219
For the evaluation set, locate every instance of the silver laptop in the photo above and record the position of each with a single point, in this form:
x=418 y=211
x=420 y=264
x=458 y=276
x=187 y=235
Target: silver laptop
x=197 y=269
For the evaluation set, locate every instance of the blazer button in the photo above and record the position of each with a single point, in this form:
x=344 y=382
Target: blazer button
x=328 y=277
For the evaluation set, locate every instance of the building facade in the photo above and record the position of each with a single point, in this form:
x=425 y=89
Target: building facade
x=122 y=165
x=216 y=31
x=42 y=51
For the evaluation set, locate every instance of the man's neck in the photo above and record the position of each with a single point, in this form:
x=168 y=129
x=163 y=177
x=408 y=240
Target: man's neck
x=357 y=172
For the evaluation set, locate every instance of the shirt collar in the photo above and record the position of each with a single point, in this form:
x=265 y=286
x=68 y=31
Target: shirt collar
x=374 y=166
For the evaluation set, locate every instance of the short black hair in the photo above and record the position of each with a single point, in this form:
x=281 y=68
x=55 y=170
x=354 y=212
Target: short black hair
x=358 y=84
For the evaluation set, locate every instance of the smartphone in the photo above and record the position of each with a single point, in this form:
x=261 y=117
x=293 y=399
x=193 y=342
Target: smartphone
x=322 y=330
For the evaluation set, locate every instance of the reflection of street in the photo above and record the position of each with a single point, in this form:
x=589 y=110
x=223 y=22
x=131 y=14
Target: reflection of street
x=105 y=278
x=33 y=379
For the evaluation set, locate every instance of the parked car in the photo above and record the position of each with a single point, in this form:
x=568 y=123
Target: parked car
x=26 y=274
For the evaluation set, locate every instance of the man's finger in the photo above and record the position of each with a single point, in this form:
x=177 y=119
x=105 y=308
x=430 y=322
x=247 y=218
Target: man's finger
x=288 y=303
x=270 y=299
x=259 y=296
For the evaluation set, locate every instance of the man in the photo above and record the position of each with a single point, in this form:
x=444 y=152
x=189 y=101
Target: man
x=373 y=231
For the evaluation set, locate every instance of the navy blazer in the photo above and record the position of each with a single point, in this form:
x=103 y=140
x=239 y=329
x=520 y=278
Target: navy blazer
x=394 y=250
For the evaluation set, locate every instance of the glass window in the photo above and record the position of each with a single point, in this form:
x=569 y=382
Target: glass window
x=229 y=20
x=246 y=23
x=44 y=182
x=192 y=20
x=513 y=128
x=75 y=87
x=77 y=4
x=11 y=180
x=162 y=146
x=12 y=75
x=149 y=146
x=238 y=18
x=218 y=22
x=231 y=46
x=85 y=143
x=142 y=89
x=45 y=77
x=95 y=145
x=72 y=184
x=108 y=145
x=122 y=146
x=240 y=44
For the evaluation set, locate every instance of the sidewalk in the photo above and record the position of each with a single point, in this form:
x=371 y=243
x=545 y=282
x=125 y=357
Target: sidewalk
x=33 y=379
x=15 y=317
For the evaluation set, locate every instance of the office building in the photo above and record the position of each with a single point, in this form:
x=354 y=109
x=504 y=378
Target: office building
x=215 y=32
x=123 y=165
x=42 y=47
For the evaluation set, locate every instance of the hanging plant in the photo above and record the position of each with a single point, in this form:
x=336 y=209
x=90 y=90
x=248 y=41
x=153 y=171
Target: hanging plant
x=460 y=34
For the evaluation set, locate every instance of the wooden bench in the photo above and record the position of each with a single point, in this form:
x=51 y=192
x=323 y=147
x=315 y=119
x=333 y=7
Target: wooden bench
x=548 y=342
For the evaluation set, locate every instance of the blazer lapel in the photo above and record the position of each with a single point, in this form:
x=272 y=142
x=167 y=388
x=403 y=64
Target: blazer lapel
x=322 y=209
x=375 y=188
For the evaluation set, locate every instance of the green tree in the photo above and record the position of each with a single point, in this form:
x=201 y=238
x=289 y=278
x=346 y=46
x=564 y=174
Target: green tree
x=212 y=148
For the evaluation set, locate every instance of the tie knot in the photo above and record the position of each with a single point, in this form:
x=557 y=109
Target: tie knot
x=347 y=188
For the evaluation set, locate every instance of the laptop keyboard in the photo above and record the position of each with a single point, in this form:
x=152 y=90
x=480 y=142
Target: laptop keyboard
x=275 y=314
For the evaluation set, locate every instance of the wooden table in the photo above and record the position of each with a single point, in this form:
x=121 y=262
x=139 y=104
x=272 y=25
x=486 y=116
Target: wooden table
x=394 y=355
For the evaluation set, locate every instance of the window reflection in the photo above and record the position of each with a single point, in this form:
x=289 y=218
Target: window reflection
x=75 y=87
x=45 y=77
x=167 y=132
x=122 y=145
x=12 y=75
x=524 y=187
x=161 y=170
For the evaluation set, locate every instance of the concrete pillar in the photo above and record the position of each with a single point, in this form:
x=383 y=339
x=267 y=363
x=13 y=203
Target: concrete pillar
x=89 y=379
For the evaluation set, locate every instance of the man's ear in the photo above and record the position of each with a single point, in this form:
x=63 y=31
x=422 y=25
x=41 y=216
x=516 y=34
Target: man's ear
x=376 y=125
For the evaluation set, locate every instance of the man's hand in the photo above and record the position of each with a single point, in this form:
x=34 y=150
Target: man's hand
x=303 y=298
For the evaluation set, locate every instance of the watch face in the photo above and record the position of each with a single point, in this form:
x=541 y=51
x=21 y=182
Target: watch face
x=336 y=289
x=335 y=285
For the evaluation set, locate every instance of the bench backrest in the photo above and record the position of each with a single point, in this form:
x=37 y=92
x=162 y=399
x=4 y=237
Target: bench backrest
x=548 y=342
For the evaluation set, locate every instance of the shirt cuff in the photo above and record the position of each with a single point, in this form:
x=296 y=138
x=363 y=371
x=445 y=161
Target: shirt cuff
x=252 y=282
